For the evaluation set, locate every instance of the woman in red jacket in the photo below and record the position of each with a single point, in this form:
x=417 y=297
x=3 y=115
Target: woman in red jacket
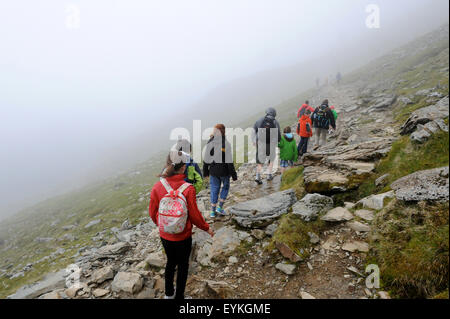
x=177 y=246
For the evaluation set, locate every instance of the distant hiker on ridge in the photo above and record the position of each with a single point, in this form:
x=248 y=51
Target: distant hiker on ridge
x=266 y=135
x=170 y=193
x=322 y=119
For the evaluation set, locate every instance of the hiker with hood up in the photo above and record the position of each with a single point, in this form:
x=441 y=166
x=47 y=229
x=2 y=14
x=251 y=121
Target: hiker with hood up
x=322 y=119
x=266 y=135
x=173 y=208
x=218 y=165
x=304 y=130
x=288 y=150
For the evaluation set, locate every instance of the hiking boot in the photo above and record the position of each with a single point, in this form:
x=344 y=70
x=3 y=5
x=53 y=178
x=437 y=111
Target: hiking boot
x=169 y=297
x=258 y=181
x=221 y=211
x=212 y=214
x=270 y=177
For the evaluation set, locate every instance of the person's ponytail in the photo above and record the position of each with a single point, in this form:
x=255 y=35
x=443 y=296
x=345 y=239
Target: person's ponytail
x=175 y=161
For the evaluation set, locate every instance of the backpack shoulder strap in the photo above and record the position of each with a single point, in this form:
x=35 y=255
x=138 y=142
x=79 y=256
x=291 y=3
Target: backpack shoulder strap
x=166 y=185
x=183 y=187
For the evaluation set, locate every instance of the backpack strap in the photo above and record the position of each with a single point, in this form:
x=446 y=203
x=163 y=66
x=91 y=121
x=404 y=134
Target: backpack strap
x=183 y=187
x=166 y=185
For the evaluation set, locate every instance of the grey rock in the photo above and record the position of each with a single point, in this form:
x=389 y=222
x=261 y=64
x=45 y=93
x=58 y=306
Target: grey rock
x=263 y=211
x=355 y=245
x=425 y=115
x=365 y=214
x=357 y=226
x=382 y=180
x=127 y=282
x=288 y=269
x=376 y=201
x=157 y=259
x=226 y=240
x=100 y=275
x=270 y=230
x=310 y=206
x=51 y=281
x=92 y=223
x=337 y=214
x=432 y=184
x=313 y=238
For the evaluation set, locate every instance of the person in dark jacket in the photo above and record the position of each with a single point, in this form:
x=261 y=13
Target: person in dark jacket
x=266 y=135
x=322 y=119
x=218 y=165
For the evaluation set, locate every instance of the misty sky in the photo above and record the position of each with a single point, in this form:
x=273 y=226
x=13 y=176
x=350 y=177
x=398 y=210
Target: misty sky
x=71 y=94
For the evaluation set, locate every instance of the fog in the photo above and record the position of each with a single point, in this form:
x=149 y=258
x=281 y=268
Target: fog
x=90 y=87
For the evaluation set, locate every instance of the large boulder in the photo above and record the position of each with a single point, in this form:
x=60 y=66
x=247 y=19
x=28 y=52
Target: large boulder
x=50 y=283
x=310 y=206
x=129 y=282
x=432 y=184
x=100 y=275
x=425 y=115
x=260 y=212
x=226 y=240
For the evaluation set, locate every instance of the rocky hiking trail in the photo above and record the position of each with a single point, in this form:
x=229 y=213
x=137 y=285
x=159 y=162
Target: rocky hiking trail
x=311 y=237
x=236 y=262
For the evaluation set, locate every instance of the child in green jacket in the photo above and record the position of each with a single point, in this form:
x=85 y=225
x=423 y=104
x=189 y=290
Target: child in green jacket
x=288 y=150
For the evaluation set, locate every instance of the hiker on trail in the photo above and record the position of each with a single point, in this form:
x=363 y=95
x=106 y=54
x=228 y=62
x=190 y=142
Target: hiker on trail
x=193 y=173
x=322 y=119
x=304 y=130
x=173 y=208
x=333 y=110
x=218 y=165
x=304 y=107
x=266 y=135
x=288 y=150
x=338 y=77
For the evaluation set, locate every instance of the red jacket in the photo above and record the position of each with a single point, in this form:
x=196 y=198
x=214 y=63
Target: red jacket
x=304 y=106
x=303 y=124
x=195 y=216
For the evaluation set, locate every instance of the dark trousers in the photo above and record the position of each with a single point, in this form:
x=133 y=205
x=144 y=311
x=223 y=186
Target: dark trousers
x=302 y=147
x=178 y=253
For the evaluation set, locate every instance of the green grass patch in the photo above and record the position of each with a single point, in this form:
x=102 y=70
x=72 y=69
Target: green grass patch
x=406 y=158
x=410 y=244
x=293 y=178
x=293 y=232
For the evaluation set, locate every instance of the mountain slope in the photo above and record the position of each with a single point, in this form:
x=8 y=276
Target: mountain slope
x=57 y=232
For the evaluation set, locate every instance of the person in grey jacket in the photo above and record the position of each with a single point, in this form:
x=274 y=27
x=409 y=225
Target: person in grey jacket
x=266 y=135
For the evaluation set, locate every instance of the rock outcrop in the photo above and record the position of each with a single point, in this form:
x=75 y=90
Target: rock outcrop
x=432 y=184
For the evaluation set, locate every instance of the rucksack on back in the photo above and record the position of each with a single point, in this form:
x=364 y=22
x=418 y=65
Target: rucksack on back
x=173 y=212
x=321 y=117
x=267 y=124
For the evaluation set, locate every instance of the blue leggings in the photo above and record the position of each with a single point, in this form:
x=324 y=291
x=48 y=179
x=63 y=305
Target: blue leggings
x=215 y=182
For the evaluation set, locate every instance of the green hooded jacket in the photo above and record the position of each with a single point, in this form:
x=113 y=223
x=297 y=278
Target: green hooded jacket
x=288 y=148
